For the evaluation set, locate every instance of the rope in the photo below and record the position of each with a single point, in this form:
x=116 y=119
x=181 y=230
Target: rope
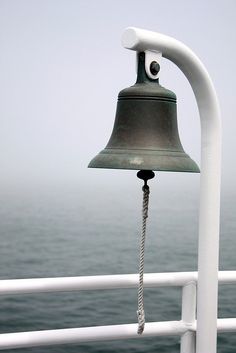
x=140 y=312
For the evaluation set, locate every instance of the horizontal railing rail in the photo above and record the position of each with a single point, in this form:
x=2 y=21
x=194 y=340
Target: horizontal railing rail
x=61 y=284
x=102 y=333
x=89 y=334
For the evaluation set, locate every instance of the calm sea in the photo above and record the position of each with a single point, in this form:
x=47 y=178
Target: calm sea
x=66 y=231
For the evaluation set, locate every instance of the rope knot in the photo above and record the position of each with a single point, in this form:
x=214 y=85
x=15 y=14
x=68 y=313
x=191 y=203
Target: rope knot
x=141 y=321
x=145 y=189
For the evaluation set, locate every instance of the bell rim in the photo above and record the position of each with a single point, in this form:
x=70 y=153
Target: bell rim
x=158 y=160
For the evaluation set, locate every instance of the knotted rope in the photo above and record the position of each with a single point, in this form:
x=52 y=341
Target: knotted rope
x=140 y=312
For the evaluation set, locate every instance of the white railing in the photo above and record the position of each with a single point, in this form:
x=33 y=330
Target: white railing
x=185 y=328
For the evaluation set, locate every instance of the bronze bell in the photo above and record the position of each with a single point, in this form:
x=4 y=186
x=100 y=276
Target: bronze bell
x=145 y=134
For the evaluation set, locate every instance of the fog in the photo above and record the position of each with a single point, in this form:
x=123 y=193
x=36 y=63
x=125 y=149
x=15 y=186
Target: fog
x=62 y=66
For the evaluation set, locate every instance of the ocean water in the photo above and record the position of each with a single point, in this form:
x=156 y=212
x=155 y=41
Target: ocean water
x=74 y=231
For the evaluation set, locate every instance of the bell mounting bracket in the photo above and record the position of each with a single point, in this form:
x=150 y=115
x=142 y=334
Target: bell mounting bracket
x=152 y=63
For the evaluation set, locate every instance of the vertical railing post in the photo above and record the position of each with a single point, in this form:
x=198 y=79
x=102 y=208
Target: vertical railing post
x=208 y=241
x=188 y=341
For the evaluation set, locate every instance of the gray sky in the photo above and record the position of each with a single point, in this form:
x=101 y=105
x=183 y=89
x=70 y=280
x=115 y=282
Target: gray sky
x=62 y=66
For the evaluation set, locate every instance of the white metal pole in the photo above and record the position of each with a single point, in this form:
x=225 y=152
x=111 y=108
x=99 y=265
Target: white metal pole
x=187 y=343
x=208 y=248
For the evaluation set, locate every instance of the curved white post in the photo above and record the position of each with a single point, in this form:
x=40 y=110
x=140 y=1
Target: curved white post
x=141 y=40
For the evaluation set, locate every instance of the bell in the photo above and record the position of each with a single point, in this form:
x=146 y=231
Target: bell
x=145 y=134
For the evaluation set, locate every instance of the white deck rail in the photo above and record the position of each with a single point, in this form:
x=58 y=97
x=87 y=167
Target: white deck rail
x=185 y=328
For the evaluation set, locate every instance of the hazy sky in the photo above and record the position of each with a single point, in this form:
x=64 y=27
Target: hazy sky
x=62 y=66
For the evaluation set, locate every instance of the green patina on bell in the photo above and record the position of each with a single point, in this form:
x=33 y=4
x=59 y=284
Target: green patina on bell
x=145 y=134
